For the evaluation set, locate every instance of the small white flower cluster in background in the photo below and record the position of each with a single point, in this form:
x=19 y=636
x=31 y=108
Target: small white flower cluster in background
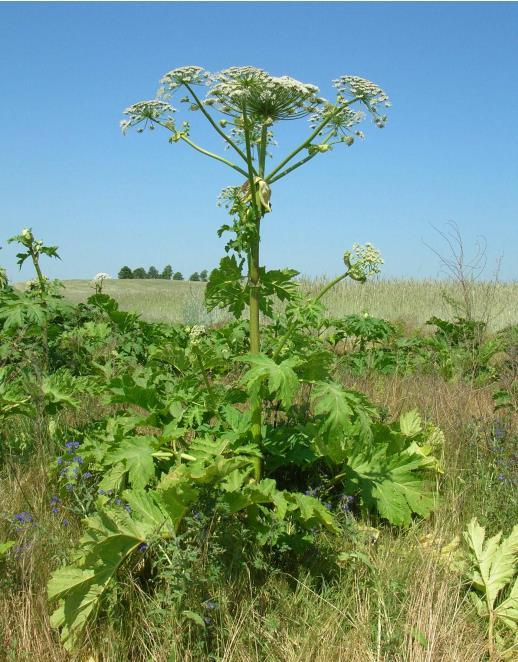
x=196 y=333
x=363 y=261
x=35 y=285
x=101 y=276
x=98 y=281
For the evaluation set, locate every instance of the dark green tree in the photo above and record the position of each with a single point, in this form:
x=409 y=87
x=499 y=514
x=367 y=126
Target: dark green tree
x=177 y=276
x=140 y=272
x=204 y=275
x=153 y=273
x=195 y=276
x=167 y=273
x=125 y=272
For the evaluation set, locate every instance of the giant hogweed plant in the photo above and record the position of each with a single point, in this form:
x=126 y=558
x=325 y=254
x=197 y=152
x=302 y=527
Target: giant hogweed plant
x=244 y=423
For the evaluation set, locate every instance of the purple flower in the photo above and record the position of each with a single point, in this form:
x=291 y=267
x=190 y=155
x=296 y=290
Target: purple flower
x=118 y=502
x=87 y=474
x=501 y=477
x=210 y=604
x=101 y=492
x=143 y=547
x=60 y=460
x=69 y=487
x=63 y=472
x=24 y=518
x=127 y=508
x=78 y=459
x=329 y=506
x=55 y=511
x=65 y=522
x=72 y=444
x=207 y=620
x=54 y=499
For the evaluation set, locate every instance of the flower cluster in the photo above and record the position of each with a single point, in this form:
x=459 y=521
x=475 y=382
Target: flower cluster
x=265 y=98
x=368 y=92
x=196 y=333
x=146 y=112
x=190 y=75
x=34 y=285
x=363 y=261
x=101 y=276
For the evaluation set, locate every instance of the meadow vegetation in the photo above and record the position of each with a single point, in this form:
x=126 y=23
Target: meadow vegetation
x=283 y=482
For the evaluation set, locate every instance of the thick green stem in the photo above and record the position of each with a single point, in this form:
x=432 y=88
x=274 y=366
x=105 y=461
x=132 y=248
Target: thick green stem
x=254 y=285
x=41 y=281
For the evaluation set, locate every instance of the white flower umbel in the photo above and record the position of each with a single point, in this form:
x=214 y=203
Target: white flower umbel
x=264 y=97
x=146 y=111
x=101 y=276
x=363 y=261
x=366 y=91
x=190 y=75
x=98 y=281
x=196 y=333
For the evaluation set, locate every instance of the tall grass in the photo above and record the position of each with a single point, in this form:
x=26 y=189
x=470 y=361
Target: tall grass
x=411 y=302
x=406 y=607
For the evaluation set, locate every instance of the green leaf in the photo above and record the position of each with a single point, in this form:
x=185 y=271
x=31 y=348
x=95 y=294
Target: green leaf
x=6 y=546
x=107 y=543
x=281 y=379
x=226 y=287
x=136 y=453
x=410 y=423
x=194 y=616
x=507 y=611
x=340 y=408
x=495 y=561
x=393 y=484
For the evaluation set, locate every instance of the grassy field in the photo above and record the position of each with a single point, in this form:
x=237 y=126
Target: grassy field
x=411 y=302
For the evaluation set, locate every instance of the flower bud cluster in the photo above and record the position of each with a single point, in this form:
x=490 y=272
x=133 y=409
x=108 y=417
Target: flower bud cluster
x=363 y=261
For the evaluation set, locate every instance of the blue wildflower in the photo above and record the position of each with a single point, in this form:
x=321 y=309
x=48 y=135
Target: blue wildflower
x=210 y=604
x=329 y=506
x=55 y=511
x=143 y=547
x=101 y=492
x=54 y=499
x=501 y=477
x=65 y=522
x=207 y=620
x=69 y=487
x=63 y=472
x=127 y=508
x=87 y=474
x=60 y=460
x=118 y=502
x=24 y=518
x=78 y=459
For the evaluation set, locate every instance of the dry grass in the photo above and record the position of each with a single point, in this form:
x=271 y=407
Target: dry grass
x=408 y=609
x=410 y=302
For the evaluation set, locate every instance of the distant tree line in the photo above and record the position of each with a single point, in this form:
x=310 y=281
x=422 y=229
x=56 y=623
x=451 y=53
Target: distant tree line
x=167 y=274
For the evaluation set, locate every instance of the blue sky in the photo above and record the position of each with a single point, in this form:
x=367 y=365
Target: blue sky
x=448 y=153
